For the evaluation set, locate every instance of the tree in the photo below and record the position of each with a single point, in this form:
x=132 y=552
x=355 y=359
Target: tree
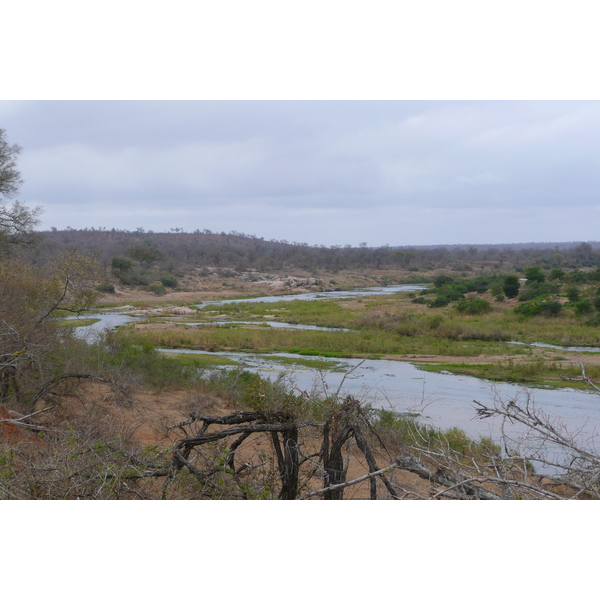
x=121 y=264
x=556 y=274
x=10 y=178
x=511 y=286
x=16 y=220
x=33 y=355
x=145 y=255
x=534 y=274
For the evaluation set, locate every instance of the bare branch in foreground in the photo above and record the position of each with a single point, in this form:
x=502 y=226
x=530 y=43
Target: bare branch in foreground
x=340 y=486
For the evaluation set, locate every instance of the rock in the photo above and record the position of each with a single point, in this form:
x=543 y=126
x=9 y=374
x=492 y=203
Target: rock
x=183 y=310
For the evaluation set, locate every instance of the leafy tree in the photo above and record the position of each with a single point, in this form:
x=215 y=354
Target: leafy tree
x=534 y=274
x=442 y=280
x=121 y=264
x=577 y=276
x=557 y=274
x=583 y=307
x=511 y=286
x=145 y=255
x=572 y=293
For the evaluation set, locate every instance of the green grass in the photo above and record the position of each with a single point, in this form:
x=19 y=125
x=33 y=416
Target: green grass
x=204 y=361
x=533 y=373
x=321 y=365
x=77 y=323
x=323 y=343
x=323 y=313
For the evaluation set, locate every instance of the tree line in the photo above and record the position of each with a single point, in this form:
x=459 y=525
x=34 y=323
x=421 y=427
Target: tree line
x=178 y=249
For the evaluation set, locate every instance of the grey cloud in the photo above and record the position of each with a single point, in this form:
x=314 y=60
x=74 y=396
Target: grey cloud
x=414 y=169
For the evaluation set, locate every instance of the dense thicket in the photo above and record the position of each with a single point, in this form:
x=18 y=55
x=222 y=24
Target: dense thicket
x=239 y=251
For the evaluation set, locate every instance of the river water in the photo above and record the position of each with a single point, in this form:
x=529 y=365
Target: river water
x=371 y=291
x=441 y=399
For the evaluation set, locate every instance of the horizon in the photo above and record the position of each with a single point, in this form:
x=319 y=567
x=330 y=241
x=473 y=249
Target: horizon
x=398 y=173
x=143 y=231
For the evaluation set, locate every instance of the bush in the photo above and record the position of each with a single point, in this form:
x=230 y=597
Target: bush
x=572 y=293
x=442 y=280
x=121 y=264
x=550 y=308
x=479 y=285
x=474 y=306
x=536 y=289
x=583 y=307
x=155 y=288
x=169 y=281
x=134 y=278
x=439 y=302
x=106 y=287
x=556 y=274
x=577 y=276
x=511 y=286
x=435 y=321
x=534 y=274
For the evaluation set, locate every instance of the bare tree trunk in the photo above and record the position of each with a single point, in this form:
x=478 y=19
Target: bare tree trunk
x=289 y=473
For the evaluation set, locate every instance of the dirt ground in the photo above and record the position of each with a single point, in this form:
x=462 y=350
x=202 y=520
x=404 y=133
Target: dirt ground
x=147 y=417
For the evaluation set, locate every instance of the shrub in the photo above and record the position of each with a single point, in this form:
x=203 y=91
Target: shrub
x=577 y=276
x=120 y=263
x=556 y=274
x=435 y=321
x=474 y=306
x=107 y=287
x=511 y=286
x=440 y=302
x=442 y=280
x=572 y=293
x=496 y=289
x=550 y=308
x=169 y=281
x=534 y=274
x=155 y=288
x=536 y=289
x=583 y=307
x=134 y=278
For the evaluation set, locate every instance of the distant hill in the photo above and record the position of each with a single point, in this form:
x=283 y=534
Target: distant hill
x=179 y=249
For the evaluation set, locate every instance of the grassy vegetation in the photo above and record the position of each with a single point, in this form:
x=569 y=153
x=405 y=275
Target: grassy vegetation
x=323 y=313
x=201 y=361
x=477 y=323
x=208 y=361
x=406 y=430
x=322 y=343
x=77 y=323
x=533 y=373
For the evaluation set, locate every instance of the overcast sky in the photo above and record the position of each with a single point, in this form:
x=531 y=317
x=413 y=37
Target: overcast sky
x=322 y=172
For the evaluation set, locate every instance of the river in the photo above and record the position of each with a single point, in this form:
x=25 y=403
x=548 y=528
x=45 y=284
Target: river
x=441 y=399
